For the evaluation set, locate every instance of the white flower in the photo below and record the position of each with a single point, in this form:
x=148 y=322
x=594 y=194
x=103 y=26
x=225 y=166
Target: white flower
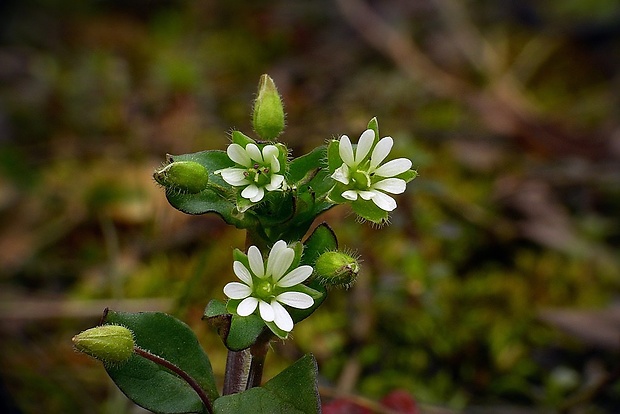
x=364 y=175
x=258 y=171
x=269 y=287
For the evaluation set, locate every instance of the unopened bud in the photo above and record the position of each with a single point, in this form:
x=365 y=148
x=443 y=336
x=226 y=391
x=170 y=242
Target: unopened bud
x=336 y=269
x=184 y=176
x=107 y=343
x=268 y=116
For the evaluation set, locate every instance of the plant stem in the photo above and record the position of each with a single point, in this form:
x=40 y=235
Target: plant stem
x=184 y=375
x=238 y=365
x=258 y=352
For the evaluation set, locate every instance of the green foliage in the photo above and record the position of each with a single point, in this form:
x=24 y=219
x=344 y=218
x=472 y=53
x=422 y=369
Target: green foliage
x=293 y=391
x=150 y=385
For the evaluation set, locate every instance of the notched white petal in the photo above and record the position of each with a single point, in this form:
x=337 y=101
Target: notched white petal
x=266 y=311
x=394 y=167
x=276 y=182
x=384 y=201
x=364 y=145
x=341 y=174
x=282 y=318
x=259 y=196
x=242 y=273
x=295 y=276
x=391 y=185
x=247 y=306
x=254 y=152
x=234 y=176
x=366 y=195
x=297 y=300
x=382 y=149
x=279 y=263
x=236 y=290
x=256 y=261
x=236 y=153
x=350 y=195
x=345 y=149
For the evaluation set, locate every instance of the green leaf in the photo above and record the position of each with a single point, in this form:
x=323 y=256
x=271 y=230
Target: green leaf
x=237 y=332
x=217 y=198
x=293 y=391
x=321 y=240
x=150 y=385
x=244 y=331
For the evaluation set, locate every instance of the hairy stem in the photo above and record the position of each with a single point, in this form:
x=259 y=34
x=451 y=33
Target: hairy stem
x=237 y=371
x=184 y=375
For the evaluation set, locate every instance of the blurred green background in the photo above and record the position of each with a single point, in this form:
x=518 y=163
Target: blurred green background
x=493 y=287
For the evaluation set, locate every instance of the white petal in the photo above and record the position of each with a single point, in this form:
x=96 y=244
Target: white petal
x=297 y=300
x=384 y=201
x=350 y=195
x=259 y=196
x=250 y=191
x=270 y=154
x=254 y=152
x=238 y=155
x=247 y=306
x=295 y=276
x=364 y=145
x=281 y=317
x=256 y=261
x=276 y=182
x=391 y=185
x=280 y=259
x=382 y=149
x=394 y=167
x=366 y=195
x=341 y=174
x=345 y=149
x=236 y=290
x=234 y=176
x=266 y=311
x=242 y=273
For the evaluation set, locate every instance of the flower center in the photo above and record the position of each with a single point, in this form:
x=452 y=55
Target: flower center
x=360 y=180
x=264 y=289
x=259 y=174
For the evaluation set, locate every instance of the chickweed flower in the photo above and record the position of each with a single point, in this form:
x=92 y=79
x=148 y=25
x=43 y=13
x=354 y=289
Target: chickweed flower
x=363 y=174
x=268 y=286
x=257 y=170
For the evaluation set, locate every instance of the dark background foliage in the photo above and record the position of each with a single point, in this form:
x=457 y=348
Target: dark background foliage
x=495 y=284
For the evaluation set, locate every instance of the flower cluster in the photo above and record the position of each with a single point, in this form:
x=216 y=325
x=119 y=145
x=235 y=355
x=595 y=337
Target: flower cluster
x=363 y=175
x=257 y=170
x=268 y=286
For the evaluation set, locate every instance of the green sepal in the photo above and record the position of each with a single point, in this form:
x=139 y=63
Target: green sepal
x=374 y=125
x=240 y=138
x=293 y=391
x=333 y=155
x=148 y=384
x=368 y=210
x=408 y=175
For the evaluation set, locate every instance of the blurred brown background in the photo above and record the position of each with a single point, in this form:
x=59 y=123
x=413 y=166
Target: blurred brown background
x=493 y=287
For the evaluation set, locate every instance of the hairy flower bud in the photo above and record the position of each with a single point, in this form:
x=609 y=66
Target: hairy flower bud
x=185 y=176
x=336 y=269
x=107 y=343
x=268 y=116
